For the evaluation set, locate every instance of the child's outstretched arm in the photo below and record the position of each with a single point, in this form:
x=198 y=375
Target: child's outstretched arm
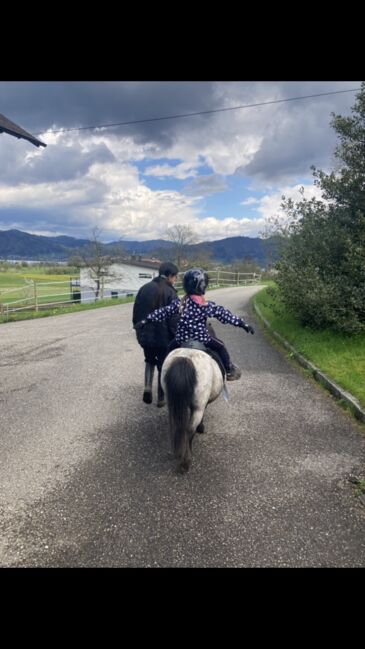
x=227 y=317
x=164 y=312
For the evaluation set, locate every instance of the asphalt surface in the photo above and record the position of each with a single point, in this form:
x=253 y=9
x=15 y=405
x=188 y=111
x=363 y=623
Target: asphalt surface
x=87 y=478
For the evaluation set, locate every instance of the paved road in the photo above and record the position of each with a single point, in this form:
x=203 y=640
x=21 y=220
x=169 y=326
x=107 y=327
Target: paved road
x=87 y=477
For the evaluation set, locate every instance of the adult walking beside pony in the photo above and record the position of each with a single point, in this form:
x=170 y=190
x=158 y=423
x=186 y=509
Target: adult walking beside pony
x=155 y=337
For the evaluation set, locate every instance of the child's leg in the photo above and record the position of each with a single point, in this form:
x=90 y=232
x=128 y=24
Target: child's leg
x=233 y=372
x=218 y=346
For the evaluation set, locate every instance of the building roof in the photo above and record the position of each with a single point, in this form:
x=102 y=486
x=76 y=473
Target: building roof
x=144 y=263
x=6 y=126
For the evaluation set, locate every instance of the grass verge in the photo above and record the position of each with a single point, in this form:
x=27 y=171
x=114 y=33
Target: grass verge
x=341 y=357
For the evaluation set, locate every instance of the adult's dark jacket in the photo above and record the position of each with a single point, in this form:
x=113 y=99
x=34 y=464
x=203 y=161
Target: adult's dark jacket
x=151 y=296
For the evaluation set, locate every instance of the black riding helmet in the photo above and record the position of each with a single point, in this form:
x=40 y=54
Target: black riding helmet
x=195 y=281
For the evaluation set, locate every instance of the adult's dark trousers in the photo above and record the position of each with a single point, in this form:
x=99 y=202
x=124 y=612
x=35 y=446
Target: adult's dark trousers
x=155 y=356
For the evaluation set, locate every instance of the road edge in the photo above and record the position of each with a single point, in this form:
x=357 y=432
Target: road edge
x=317 y=374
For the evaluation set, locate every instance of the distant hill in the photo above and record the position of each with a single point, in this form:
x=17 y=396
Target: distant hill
x=15 y=244
x=236 y=248
x=140 y=247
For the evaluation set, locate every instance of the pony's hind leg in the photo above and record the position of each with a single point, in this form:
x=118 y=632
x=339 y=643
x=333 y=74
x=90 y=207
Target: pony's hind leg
x=195 y=426
x=196 y=421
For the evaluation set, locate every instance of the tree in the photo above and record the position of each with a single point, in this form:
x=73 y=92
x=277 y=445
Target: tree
x=181 y=236
x=245 y=265
x=322 y=268
x=201 y=257
x=94 y=257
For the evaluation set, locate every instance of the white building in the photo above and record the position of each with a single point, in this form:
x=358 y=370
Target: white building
x=122 y=278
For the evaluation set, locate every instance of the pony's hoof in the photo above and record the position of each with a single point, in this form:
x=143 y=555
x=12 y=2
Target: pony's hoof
x=183 y=467
x=161 y=404
x=147 y=396
x=200 y=428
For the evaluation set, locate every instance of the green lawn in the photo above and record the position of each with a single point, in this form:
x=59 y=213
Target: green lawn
x=60 y=310
x=11 y=280
x=19 y=284
x=16 y=277
x=341 y=357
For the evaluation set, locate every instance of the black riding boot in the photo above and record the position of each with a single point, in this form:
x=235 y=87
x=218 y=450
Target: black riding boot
x=148 y=378
x=233 y=372
x=160 y=393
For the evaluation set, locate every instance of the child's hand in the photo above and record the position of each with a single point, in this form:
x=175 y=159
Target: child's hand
x=247 y=327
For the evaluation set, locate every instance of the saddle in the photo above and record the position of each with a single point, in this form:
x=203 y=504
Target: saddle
x=196 y=344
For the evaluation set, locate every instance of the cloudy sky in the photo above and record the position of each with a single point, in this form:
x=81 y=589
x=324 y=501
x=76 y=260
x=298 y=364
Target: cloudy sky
x=222 y=173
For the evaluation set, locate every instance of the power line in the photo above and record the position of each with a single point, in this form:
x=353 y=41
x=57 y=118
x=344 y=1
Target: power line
x=202 y=112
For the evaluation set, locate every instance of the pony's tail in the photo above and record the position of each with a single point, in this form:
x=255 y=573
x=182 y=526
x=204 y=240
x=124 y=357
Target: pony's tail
x=180 y=382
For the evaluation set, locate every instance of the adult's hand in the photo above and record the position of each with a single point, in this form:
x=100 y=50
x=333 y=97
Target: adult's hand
x=139 y=325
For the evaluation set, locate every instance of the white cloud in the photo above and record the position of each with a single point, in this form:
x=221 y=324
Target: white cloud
x=211 y=228
x=250 y=201
x=87 y=178
x=224 y=144
x=180 y=171
x=270 y=204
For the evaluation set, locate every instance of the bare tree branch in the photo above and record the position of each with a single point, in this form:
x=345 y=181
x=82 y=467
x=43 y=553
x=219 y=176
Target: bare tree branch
x=181 y=236
x=94 y=258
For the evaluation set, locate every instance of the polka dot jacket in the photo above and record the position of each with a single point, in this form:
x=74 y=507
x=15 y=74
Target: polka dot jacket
x=193 y=318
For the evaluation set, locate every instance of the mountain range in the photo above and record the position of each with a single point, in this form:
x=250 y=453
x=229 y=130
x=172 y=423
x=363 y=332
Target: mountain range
x=18 y=245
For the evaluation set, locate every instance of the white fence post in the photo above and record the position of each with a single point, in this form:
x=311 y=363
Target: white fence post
x=35 y=295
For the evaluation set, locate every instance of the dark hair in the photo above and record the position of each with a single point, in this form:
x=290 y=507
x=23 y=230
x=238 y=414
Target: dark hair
x=168 y=268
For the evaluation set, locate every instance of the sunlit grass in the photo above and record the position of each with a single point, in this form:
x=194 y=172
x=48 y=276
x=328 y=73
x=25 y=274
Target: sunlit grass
x=341 y=357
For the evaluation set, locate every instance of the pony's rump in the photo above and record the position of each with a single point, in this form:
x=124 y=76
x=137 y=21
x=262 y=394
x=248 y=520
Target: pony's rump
x=191 y=379
x=181 y=377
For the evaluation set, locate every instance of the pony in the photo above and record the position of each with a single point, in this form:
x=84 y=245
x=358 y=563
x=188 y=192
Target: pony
x=191 y=379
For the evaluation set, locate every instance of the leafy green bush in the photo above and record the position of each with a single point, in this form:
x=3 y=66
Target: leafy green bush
x=321 y=274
